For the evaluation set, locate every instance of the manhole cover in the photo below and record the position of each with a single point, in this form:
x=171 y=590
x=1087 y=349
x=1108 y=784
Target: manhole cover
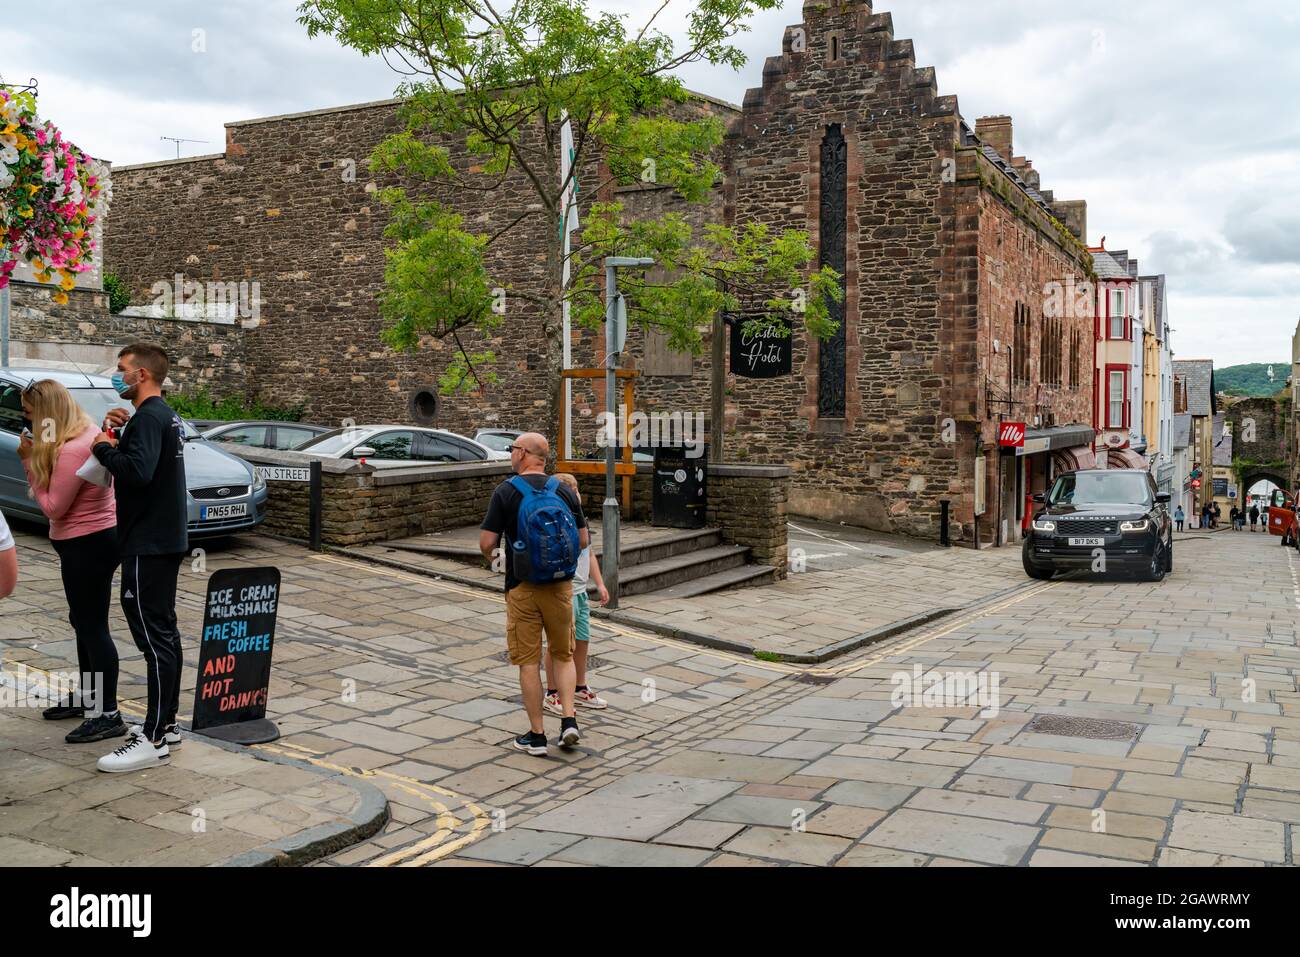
x=1071 y=727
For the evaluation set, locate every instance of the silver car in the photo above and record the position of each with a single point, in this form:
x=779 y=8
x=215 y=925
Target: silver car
x=392 y=446
x=226 y=494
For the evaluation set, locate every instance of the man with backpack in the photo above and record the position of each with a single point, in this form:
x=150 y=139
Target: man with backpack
x=538 y=523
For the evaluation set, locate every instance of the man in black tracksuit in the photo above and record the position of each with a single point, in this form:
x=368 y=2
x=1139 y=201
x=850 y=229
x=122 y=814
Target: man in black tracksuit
x=147 y=462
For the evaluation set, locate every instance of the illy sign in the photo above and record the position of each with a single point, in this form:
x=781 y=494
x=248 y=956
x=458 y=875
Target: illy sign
x=1011 y=435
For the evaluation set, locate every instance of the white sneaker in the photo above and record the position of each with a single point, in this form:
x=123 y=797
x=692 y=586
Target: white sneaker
x=172 y=735
x=589 y=699
x=552 y=704
x=138 y=754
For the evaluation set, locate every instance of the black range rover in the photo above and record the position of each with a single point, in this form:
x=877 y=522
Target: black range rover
x=1116 y=511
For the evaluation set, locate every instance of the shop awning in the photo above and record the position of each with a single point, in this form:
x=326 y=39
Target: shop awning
x=1126 y=459
x=1038 y=441
x=1075 y=459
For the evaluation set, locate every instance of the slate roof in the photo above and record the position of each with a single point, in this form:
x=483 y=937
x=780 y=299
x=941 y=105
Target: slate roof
x=1199 y=376
x=1182 y=431
x=1107 y=267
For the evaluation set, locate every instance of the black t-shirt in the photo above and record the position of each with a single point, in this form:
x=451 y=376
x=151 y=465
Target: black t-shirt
x=148 y=469
x=503 y=514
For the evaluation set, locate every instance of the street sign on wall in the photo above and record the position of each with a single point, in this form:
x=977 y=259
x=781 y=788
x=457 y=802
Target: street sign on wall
x=282 y=473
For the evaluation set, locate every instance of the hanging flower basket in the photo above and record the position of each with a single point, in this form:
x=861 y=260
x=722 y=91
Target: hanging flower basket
x=50 y=196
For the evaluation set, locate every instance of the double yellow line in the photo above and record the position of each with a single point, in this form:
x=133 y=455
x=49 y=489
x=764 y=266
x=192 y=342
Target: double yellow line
x=414 y=855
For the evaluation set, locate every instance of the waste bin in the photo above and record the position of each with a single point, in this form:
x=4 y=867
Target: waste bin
x=680 y=494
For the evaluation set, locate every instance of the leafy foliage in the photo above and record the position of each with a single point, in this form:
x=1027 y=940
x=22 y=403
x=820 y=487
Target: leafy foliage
x=1251 y=379
x=200 y=404
x=118 y=296
x=504 y=79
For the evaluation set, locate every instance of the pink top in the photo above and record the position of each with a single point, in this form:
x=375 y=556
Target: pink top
x=74 y=506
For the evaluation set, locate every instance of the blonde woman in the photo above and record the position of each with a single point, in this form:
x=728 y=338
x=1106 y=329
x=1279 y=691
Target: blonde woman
x=83 y=531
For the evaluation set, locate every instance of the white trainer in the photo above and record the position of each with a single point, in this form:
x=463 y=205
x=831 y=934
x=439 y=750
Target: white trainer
x=172 y=735
x=138 y=754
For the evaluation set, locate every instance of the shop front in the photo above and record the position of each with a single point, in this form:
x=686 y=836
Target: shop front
x=1035 y=466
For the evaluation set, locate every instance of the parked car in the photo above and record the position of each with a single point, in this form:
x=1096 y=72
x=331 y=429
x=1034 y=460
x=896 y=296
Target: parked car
x=226 y=494
x=391 y=446
x=501 y=439
x=265 y=435
x=1117 y=514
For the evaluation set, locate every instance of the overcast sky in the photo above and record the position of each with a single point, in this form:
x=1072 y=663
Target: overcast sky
x=1177 y=120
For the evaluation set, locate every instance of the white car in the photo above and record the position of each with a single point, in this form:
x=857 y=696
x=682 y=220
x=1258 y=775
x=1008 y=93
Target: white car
x=392 y=446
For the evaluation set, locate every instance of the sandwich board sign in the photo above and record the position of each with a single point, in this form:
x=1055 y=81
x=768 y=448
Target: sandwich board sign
x=235 y=656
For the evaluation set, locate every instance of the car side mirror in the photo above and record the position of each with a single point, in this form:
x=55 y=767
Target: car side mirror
x=1164 y=498
x=1040 y=498
x=363 y=452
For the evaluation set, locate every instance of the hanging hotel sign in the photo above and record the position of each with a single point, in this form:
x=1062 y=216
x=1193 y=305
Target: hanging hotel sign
x=766 y=354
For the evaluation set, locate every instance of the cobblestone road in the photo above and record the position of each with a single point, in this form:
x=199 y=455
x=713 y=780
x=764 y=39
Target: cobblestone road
x=1135 y=724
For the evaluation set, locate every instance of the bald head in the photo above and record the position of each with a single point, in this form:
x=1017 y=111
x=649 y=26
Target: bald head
x=528 y=454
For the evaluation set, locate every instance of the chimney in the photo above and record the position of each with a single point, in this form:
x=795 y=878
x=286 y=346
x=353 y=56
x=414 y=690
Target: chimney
x=995 y=131
x=1074 y=214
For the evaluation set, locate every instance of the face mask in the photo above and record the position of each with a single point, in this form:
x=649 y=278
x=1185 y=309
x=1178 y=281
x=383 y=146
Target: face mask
x=119 y=383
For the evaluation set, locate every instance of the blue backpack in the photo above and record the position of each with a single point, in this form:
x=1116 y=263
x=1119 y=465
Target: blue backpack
x=546 y=547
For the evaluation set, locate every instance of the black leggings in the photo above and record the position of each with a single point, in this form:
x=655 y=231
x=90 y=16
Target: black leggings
x=87 y=564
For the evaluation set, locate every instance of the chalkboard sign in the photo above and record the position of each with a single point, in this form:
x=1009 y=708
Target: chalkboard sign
x=679 y=496
x=235 y=655
x=765 y=355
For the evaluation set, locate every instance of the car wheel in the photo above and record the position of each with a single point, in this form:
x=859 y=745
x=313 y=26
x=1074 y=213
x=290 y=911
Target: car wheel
x=1040 y=574
x=1169 y=556
x=1155 y=571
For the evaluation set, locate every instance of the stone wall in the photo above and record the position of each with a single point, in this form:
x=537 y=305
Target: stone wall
x=292 y=207
x=750 y=504
x=83 y=331
x=940 y=244
x=363 y=504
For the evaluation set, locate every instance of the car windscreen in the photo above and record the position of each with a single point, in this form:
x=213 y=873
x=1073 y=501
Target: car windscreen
x=334 y=443
x=495 y=441
x=97 y=402
x=1098 y=488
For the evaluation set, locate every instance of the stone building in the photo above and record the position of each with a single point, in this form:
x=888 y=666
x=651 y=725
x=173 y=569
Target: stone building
x=960 y=276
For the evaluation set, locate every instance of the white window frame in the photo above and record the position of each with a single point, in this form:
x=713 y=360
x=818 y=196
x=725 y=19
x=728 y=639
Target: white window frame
x=1116 y=396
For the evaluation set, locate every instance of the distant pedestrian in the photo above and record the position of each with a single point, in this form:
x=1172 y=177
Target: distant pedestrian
x=1254 y=517
x=538 y=522
x=83 y=531
x=1234 y=514
x=588 y=570
x=1179 y=517
x=1215 y=514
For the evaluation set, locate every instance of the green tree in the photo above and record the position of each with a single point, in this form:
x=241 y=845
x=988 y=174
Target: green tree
x=502 y=80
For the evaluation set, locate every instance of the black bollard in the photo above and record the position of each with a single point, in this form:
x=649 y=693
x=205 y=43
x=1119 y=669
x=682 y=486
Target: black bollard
x=944 y=505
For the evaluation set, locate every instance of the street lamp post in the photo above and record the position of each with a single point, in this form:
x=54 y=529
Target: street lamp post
x=615 y=336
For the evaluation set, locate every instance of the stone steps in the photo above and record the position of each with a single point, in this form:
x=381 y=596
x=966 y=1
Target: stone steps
x=679 y=563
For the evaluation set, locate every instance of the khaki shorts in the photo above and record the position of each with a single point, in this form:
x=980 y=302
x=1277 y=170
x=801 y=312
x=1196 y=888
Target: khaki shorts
x=532 y=609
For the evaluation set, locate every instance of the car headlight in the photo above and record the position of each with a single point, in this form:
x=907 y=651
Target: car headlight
x=1042 y=525
x=259 y=483
x=1141 y=526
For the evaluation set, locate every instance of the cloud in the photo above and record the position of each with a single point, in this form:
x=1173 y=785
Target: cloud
x=1179 y=128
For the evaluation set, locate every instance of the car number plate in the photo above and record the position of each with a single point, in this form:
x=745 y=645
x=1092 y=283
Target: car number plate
x=210 y=512
x=1086 y=542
